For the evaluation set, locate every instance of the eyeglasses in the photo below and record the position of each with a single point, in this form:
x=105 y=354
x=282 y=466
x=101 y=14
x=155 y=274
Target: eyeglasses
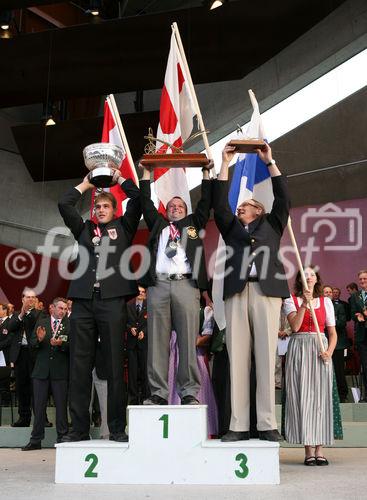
x=241 y=209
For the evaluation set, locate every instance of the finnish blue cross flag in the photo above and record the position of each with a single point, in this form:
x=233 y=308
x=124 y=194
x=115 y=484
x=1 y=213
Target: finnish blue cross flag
x=251 y=179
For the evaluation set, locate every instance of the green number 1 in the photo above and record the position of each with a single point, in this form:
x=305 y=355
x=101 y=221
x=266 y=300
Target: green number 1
x=93 y=459
x=164 y=419
x=243 y=472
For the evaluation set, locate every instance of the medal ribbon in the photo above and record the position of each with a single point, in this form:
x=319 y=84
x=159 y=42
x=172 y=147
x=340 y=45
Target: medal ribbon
x=97 y=232
x=174 y=233
x=55 y=328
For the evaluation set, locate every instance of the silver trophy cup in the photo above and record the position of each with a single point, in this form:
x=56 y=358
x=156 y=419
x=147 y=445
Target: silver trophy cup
x=102 y=159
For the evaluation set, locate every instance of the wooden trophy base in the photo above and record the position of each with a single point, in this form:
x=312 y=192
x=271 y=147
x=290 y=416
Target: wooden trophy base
x=175 y=160
x=247 y=145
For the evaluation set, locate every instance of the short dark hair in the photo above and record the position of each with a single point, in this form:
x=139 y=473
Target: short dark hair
x=352 y=286
x=59 y=299
x=177 y=198
x=298 y=285
x=105 y=195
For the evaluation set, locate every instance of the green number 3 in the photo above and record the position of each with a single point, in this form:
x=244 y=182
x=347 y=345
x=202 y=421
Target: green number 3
x=93 y=459
x=243 y=471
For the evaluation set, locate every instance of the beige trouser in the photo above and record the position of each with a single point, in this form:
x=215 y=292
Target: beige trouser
x=252 y=324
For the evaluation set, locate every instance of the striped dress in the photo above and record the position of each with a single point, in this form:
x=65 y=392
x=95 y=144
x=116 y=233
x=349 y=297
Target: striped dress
x=308 y=380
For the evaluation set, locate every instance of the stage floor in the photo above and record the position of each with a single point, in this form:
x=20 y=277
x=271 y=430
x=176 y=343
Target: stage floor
x=31 y=475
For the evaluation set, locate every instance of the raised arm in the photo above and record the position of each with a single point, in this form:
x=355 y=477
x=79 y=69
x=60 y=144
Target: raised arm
x=130 y=219
x=67 y=208
x=150 y=213
x=278 y=216
x=202 y=210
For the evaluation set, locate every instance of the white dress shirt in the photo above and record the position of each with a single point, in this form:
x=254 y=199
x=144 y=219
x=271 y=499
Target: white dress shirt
x=178 y=264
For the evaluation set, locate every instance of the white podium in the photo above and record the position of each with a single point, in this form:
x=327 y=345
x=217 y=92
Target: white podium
x=168 y=445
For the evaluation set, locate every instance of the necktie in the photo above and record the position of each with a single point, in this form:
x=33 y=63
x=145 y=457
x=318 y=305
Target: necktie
x=56 y=322
x=1 y=321
x=137 y=309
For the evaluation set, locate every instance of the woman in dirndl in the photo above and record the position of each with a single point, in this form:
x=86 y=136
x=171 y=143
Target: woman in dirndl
x=309 y=372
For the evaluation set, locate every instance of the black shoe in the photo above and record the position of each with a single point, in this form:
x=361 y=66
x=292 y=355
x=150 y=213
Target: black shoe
x=310 y=461
x=321 y=461
x=119 y=437
x=189 y=400
x=32 y=446
x=48 y=424
x=271 y=435
x=235 y=436
x=74 y=436
x=21 y=423
x=155 y=400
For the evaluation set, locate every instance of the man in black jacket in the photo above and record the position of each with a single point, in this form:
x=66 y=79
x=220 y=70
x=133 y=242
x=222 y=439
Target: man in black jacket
x=21 y=355
x=358 y=306
x=50 y=339
x=99 y=301
x=136 y=346
x=176 y=274
x=254 y=285
x=5 y=335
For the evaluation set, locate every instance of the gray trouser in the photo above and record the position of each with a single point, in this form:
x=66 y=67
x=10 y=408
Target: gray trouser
x=252 y=324
x=173 y=305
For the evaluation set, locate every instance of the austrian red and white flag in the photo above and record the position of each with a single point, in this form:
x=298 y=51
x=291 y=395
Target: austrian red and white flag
x=176 y=121
x=112 y=135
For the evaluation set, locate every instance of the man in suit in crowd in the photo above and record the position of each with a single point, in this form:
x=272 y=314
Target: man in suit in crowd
x=358 y=306
x=341 y=310
x=50 y=339
x=21 y=355
x=176 y=274
x=5 y=336
x=136 y=346
x=5 y=343
x=254 y=285
x=337 y=300
x=99 y=297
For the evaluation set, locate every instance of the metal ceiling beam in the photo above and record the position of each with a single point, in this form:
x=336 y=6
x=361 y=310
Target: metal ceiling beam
x=22 y=4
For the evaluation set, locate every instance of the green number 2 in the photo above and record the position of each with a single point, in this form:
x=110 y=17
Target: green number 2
x=93 y=459
x=164 y=419
x=243 y=472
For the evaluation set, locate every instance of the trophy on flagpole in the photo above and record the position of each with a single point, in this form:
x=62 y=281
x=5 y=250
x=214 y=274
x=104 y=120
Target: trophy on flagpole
x=176 y=159
x=102 y=159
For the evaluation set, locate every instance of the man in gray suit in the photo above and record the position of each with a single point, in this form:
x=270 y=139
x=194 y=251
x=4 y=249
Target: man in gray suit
x=176 y=274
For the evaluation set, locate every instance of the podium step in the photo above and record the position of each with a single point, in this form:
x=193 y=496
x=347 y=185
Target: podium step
x=168 y=445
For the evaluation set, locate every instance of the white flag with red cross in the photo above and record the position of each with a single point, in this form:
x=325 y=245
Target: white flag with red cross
x=112 y=135
x=176 y=122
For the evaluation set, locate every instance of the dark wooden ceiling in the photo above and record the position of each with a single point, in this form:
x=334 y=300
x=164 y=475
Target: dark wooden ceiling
x=85 y=62
x=130 y=54
x=56 y=152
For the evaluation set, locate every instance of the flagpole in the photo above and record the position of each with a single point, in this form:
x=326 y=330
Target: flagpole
x=176 y=32
x=255 y=105
x=304 y=282
x=116 y=115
